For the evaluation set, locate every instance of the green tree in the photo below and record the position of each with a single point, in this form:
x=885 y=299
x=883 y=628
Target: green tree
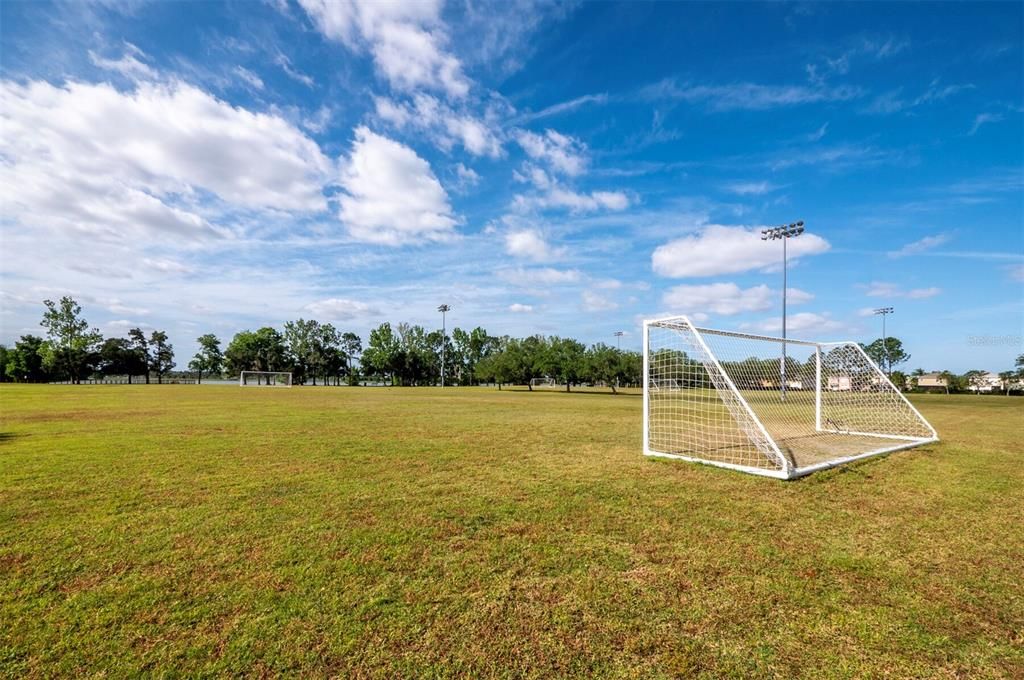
x=974 y=379
x=305 y=343
x=25 y=361
x=140 y=346
x=70 y=344
x=604 y=364
x=117 y=358
x=209 y=359
x=161 y=354
x=1008 y=379
x=383 y=354
x=899 y=379
x=952 y=381
x=877 y=351
x=565 y=360
x=351 y=346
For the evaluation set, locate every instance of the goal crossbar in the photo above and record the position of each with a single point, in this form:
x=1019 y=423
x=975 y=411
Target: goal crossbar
x=769 y=406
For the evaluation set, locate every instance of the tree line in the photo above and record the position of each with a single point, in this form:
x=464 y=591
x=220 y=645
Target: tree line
x=315 y=353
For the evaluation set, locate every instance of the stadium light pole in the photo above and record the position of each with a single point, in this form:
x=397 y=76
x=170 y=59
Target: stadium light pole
x=884 y=312
x=618 y=349
x=785 y=232
x=444 y=309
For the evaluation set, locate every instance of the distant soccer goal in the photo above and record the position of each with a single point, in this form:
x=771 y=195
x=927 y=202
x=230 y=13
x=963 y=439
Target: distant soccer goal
x=543 y=382
x=781 y=408
x=265 y=379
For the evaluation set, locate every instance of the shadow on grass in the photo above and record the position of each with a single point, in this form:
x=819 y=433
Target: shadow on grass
x=562 y=391
x=6 y=437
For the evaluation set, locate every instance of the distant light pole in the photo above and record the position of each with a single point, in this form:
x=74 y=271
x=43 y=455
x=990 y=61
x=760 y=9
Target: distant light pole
x=444 y=309
x=785 y=232
x=618 y=348
x=884 y=312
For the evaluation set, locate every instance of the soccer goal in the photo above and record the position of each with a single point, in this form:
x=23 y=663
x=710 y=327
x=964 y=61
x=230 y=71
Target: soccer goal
x=543 y=382
x=774 y=407
x=265 y=379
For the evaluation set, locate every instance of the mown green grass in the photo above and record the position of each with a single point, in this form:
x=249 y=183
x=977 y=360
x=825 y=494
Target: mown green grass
x=200 y=531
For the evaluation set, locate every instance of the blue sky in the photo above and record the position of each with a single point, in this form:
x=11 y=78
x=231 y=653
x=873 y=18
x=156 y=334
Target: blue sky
x=557 y=169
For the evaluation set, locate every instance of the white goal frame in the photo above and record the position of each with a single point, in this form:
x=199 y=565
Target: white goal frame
x=853 y=412
x=547 y=383
x=272 y=380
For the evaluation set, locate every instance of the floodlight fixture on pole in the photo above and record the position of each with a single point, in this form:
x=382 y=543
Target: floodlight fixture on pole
x=884 y=312
x=444 y=309
x=785 y=232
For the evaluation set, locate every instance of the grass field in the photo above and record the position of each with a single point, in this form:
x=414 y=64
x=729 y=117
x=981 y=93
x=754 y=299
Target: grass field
x=197 y=531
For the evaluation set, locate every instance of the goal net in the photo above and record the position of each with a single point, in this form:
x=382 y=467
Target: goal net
x=781 y=408
x=543 y=382
x=265 y=379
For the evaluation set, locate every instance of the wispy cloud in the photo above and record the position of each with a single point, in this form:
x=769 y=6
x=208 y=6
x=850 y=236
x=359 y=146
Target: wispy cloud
x=892 y=290
x=921 y=245
x=982 y=119
x=748 y=96
x=562 y=107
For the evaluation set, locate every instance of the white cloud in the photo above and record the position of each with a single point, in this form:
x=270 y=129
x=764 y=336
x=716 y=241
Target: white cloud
x=565 y=107
x=562 y=153
x=804 y=322
x=728 y=298
x=517 y=308
x=748 y=96
x=982 y=119
x=592 y=302
x=750 y=188
x=166 y=265
x=467 y=177
x=128 y=65
x=892 y=290
x=286 y=65
x=558 y=196
x=718 y=249
x=407 y=40
x=1016 y=272
x=91 y=158
x=530 y=244
x=921 y=245
x=391 y=195
x=543 y=276
x=249 y=77
x=339 y=309
x=444 y=124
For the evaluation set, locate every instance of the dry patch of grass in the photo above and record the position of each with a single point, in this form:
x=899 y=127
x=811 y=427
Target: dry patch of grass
x=191 y=530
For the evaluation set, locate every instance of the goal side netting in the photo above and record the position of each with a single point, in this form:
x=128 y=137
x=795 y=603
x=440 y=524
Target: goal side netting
x=781 y=408
x=265 y=379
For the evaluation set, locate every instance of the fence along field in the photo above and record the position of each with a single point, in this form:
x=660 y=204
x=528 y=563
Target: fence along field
x=396 y=532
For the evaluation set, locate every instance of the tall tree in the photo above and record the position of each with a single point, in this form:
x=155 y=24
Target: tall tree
x=383 y=352
x=70 y=343
x=304 y=341
x=352 y=346
x=1008 y=379
x=140 y=346
x=209 y=359
x=895 y=355
x=161 y=354
x=25 y=361
x=975 y=379
x=564 y=360
x=117 y=358
x=604 y=364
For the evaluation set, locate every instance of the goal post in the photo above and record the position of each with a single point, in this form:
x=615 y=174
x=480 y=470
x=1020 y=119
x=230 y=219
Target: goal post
x=774 y=407
x=265 y=379
x=543 y=382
